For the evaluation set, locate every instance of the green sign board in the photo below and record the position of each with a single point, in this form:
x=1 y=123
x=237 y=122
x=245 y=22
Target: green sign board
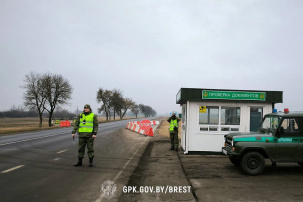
x=233 y=95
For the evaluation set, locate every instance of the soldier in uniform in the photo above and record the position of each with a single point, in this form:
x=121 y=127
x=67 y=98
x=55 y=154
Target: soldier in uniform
x=173 y=131
x=87 y=124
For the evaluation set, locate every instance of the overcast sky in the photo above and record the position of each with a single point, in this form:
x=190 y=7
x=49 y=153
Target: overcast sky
x=150 y=49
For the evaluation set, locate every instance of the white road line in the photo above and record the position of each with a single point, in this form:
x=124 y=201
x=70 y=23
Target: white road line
x=59 y=152
x=11 y=169
x=36 y=138
x=120 y=172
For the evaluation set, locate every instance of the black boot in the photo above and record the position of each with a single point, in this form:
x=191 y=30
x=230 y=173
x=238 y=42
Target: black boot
x=91 y=162
x=79 y=163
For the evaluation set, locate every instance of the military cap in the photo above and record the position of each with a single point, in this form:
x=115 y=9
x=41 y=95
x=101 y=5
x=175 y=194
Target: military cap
x=87 y=106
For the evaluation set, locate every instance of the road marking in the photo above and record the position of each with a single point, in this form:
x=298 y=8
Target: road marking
x=36 y=138
x=120 y=172
x=59 y=152
x=11 y=169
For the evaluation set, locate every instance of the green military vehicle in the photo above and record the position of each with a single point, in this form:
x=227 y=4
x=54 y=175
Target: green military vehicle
x=280 y=139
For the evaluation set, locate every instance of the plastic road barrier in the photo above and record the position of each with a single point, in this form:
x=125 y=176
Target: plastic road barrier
x=143 y=127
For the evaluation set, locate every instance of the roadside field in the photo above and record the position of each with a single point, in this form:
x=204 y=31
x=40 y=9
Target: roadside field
x=15 y=125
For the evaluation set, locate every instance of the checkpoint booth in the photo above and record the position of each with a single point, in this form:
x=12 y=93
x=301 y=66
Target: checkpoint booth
x=209 y=114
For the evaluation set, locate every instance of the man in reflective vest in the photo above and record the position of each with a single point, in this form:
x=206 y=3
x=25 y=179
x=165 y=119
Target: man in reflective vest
x=87 y=126
x=173 y=131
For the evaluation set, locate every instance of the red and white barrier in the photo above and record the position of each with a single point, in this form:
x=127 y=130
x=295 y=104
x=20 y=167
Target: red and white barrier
x=151 y=122
x=65 y=123
x=155 y=122
x=135 y=126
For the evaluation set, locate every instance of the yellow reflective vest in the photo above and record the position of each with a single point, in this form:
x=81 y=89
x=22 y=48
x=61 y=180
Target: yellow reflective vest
x=173 y=123
x=86 y=124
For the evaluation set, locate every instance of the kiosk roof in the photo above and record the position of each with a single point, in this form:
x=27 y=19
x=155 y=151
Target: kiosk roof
x=227 y=95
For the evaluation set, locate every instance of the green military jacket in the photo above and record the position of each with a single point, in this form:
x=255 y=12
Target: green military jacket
x=170 y=118
x=95 y=129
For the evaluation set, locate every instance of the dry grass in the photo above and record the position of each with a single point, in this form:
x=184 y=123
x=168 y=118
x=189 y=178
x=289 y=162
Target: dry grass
x=14 y=125
x=163 y=129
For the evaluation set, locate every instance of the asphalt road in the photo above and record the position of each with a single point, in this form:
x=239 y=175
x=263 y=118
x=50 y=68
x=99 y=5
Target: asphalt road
x=38 y=166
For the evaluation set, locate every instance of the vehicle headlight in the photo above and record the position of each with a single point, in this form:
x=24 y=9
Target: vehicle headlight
x=232 y=142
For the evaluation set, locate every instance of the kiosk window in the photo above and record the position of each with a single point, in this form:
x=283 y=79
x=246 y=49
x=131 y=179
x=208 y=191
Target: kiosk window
x=211 y=116
x=219 y=119
x=230 y=116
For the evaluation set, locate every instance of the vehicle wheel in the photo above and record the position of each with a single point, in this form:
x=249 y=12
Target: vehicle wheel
x=234 y=161
x=300 y=163
x=252 y=163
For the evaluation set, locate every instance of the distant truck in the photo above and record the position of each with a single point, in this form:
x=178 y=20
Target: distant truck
x=280 y=139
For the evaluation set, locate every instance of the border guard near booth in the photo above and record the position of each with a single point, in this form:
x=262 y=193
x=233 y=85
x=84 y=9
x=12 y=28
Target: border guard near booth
x=173 y=131
x=87 y=126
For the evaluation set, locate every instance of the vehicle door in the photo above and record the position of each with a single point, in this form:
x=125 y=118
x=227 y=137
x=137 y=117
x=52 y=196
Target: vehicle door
x=288 y=141
x=299 y=121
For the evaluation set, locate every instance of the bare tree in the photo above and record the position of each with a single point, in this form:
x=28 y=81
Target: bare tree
x=114 y=103
x=135 y=109
x=147 y=110
x=58 y=92
x=153 y=112
x=126 y=105
x=35 y=95
x=117 y=101
x=104 y=96
x=143 y=109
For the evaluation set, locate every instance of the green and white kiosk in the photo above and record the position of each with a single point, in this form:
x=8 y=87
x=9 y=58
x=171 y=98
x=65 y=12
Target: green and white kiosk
x=209 y=114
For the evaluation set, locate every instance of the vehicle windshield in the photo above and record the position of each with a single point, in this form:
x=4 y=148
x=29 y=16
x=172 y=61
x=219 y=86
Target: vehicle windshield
x=270 y=124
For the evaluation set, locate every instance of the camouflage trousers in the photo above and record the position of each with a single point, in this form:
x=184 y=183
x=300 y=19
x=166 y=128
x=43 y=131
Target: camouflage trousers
x=86 y=141
x=174 y=141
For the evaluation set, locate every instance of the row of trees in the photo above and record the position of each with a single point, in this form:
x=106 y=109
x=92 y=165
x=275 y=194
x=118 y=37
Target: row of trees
x=46 y=92
x=18 y=112
x=147 y=110
x=113 y=102
x=21 y=112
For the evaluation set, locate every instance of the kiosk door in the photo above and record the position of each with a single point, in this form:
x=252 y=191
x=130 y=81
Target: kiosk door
x=256 y=115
